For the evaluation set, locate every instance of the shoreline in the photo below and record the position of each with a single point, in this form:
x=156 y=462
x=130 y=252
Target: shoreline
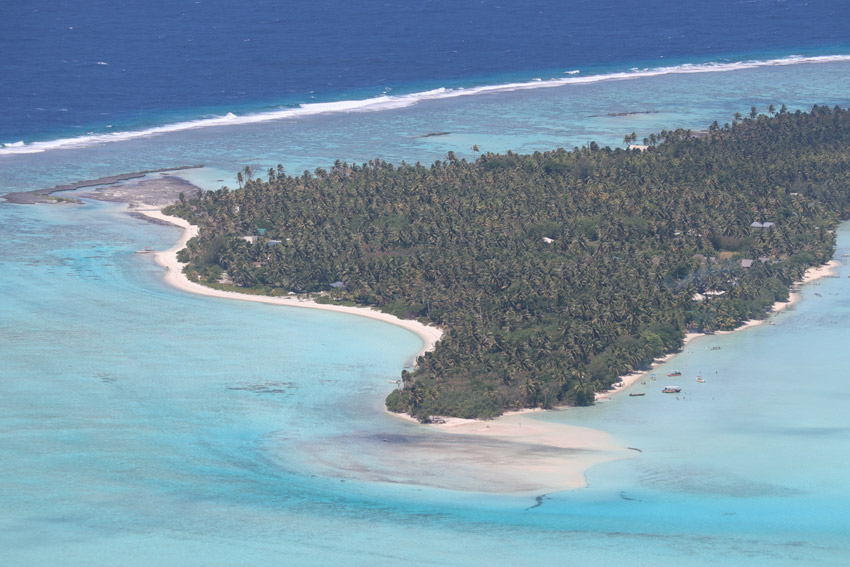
x=812 y=274
x=174 y=276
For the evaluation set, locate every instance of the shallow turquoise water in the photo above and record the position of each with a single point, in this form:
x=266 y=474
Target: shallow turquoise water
x=144 y=426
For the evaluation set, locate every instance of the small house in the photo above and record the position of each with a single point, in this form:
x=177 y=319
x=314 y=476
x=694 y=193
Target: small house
x=746 y=263
x=707 y=295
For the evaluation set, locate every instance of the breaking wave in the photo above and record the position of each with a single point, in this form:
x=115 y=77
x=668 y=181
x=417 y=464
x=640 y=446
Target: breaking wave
x=386 y=101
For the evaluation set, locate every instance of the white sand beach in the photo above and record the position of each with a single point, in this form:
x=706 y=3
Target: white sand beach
x=175 y=276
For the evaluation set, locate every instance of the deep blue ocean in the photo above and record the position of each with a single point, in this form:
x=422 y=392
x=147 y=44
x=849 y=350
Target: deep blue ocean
x=141 y=425
x=73 y=68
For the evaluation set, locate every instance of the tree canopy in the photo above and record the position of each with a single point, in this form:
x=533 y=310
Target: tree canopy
x=553 y=273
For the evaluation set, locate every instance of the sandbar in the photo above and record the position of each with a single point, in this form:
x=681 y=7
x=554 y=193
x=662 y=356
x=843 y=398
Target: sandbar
x=515 y=453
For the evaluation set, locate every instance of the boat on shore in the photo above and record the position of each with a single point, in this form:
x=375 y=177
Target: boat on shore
x=671 y=390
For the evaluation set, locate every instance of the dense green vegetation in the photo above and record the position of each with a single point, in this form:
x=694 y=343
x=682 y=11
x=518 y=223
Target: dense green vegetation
x=552 y=273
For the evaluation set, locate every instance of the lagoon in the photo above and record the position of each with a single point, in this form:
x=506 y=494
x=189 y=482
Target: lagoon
x=143 y=425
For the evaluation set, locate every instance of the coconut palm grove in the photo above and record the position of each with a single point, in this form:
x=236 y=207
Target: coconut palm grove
x=552 y=273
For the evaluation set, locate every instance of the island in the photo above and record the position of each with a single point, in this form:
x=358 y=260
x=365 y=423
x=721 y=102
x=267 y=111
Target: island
x=552 y=274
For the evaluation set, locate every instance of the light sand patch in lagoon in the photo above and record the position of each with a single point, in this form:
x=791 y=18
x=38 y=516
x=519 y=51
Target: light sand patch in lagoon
x=510 y=454
x=514 y=453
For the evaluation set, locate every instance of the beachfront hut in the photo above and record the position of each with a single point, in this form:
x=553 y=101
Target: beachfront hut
x=249 y=239
x=337 y=285
x=757 y=224
x=707 y=295
x=274 y=242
